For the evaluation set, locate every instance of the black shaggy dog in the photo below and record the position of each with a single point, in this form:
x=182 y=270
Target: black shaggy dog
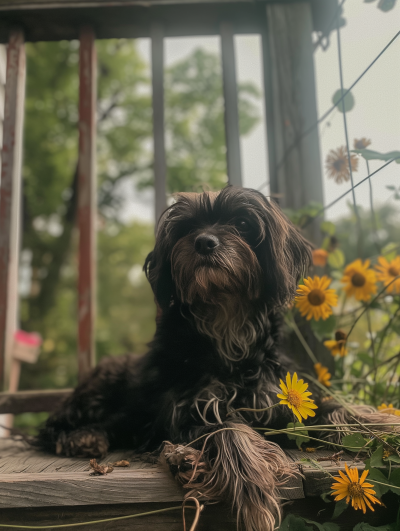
x=223 y=268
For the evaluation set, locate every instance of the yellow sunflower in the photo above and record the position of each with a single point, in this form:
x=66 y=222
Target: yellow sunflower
x=314 y=299
x=323 y=374
x=337 y=164
x=389 y=409
x=359 y=280
x=319 y=257
x=361 y=143
x=355 y=489
x=296 y=397
x=388 y=271
x=337 y=346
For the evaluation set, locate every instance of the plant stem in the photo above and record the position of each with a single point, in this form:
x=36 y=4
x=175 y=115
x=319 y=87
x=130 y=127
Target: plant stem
x=294 y=326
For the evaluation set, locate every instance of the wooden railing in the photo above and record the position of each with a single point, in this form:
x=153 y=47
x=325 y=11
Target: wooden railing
x=20 y=19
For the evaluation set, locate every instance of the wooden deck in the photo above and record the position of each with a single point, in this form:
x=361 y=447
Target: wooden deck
x=41 y=489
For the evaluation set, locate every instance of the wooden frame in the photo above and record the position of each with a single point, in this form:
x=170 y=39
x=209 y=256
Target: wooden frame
x=87 y=204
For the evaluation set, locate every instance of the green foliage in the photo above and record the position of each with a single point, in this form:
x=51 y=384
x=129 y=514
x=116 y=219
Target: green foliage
x=354 y=442
x=347 y=103
x=340 y=507
x=369 y=154
x=300 y=436
x=297 y=523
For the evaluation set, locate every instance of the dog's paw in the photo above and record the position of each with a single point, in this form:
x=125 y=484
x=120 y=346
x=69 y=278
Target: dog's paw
x=82 y=443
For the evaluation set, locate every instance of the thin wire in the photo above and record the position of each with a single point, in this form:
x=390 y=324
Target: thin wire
x=311 y=219
x=345 y=120
x=328 y=112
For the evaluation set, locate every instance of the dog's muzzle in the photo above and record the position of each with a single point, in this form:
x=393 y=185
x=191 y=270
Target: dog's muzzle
x=206 y=244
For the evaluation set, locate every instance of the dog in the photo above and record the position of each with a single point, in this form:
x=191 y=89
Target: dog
x=224 y=268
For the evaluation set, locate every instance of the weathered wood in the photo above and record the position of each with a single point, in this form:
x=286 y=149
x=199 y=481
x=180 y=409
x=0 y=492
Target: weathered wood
x=87 y=204
x=157 y=69
x=130 y=20
x=231 y=114
x=295 y=165
x=10 y=194
x=213 y=517
x=32 y=401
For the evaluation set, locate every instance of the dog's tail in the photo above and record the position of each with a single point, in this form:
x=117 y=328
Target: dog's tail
x=236 y=465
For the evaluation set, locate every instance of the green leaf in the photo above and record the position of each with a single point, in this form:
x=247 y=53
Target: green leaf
x=395 y=481
x=328 y=227
x=327 y=526
x=293 y=523
x=364 y=526
x=365 y=358
x=370 y=154
x=377 y=457
x=324 y=328
x=386 y=5
x=299 y=436
x=394 y=458
x=336 y=259
x=375 y=474
x=346 y=104
x=354 y=442
x=327 y=497
x=391 y=188
x=340 y=506
x=390 y=250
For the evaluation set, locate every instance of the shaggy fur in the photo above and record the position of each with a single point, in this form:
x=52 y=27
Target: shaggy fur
x=223 y=267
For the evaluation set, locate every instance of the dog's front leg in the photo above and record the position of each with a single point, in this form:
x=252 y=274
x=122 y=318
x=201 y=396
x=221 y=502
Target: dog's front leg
x=233 y=463
x=102 y=410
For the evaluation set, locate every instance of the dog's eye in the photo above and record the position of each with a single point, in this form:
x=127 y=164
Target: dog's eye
x=242 y=225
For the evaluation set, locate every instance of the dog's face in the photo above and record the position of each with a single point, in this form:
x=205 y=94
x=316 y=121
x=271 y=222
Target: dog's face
x=234 y=242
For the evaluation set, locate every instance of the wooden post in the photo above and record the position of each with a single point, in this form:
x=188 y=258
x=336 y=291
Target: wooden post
x=87 y=204
x=10 y=193
x=232 y=133
x=157 y=69
x=294 y=162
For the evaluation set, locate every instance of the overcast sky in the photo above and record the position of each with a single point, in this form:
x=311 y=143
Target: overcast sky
x=376 y=114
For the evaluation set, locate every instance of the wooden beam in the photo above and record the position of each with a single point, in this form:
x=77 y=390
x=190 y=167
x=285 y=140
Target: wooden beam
x=87 y=204
x=32 y=401
x=295 y=164
x=232 y=133
x=10 y=193
x=157 y=69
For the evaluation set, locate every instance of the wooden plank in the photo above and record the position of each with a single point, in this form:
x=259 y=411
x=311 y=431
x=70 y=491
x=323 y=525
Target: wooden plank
x=79 y=488
x=232 y=133
x=295 y=164
x=157 y=69
x=10 y=193
x=87 y=204
x=317 y=481
x=131 y=20
x=32 y=401
x=214 y=517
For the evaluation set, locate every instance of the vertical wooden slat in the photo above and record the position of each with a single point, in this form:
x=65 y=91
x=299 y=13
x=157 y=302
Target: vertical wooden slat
x=10 y=192
x=232 y=134
x=295 y=163
x=87 y=204
x=157 y=68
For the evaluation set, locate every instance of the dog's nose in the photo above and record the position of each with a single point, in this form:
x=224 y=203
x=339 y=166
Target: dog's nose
x=206 y=243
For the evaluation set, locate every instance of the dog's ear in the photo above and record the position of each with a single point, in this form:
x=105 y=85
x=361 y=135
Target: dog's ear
x=158 y=272
x=285 y=254
x=157 y=265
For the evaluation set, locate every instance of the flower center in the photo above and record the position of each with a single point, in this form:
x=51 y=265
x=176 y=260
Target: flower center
x=294 y=398
x=393 y=271
x=339 y=165
x=340 y=335
x=316 y=297
x=355 y=490
x=358 y=280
